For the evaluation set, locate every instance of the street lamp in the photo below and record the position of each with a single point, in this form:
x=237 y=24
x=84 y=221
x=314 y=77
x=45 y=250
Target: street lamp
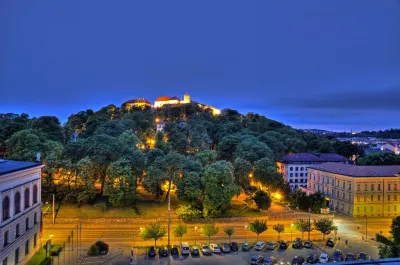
x=291 y=232
x=195 y=231
x=245 y=228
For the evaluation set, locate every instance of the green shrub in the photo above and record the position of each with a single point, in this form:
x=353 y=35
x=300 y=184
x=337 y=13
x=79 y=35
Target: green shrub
x=101 y=207
x=103 y=247
x=382 y=239
x=188 y=212
x=93 y=250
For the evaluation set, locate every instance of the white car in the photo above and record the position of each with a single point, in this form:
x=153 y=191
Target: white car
x=272 y=245
x=215 y=248
x=324 y=258
x=260 y=245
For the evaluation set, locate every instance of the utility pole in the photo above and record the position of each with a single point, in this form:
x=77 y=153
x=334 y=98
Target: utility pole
x=77 y=242
x=366 y=227
x=54 y=208
x=309 y=223
x=245 y=230
x=80 y=236
x=169 y=218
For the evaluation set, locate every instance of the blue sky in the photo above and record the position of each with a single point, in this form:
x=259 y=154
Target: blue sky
x=310 y=64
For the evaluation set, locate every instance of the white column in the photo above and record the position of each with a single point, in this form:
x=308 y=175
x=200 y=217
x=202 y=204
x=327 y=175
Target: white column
x=12 y=203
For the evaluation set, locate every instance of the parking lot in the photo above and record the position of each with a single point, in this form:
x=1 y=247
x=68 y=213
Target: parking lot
x=240 y=257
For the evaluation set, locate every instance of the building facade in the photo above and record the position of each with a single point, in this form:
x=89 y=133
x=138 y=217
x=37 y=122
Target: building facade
x=357 y=190
x=294 y=166
x=20 y=222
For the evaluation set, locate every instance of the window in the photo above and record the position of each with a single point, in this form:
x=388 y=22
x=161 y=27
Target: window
x=365 y=198
x=5 y=238
x=349 y=186
x=301 y=174
x=16 y=256
x=372 y=209
x=379 y=197
x=26 y=194
x=291 y=175
x=372 y=198
x=17 y=232
x=395 y=197
x=6 y=208
x=35 y=194
x=343 y=196
x=344 y=185
x=296 y=174
x=337 y=194
x=297 y=168
x=372 y=187
x=395 y=186
x=365 y=187
x=389 y=209
x=35 y=240
x=27 y=224
x=395 y=208
x=358 y=187
x=314 y=186
x=291 y=180
x=358 y=198
x=388 y=186
x=35 y=218
x=17 y=203
x=302 y=168
x=5 y=261
x=26 y=247
x=291 y=168
x=388 y=198
x=379 y=187
x=358 y=209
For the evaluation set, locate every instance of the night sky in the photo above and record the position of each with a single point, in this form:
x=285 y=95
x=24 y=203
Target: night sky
x=310 y=64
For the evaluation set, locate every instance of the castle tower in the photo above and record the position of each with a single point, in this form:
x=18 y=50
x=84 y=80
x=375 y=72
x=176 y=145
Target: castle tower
x=186 y=98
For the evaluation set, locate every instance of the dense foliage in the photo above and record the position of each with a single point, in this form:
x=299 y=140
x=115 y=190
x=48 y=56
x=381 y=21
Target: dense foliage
x=206 y=159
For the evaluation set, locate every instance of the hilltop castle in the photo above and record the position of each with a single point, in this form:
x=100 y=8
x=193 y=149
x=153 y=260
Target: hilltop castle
x=167 y=100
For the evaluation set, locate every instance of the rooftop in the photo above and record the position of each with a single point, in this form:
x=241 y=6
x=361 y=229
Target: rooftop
x=9 y=166
x=358 y=171
x=314 y=157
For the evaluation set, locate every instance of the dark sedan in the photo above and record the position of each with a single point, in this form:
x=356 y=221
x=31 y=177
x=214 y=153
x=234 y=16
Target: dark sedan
x=234 y=246
x=195 y=250
x=312 y=259
x=283 y=245
x=151 y=253
x=297 y=243
x=297 y=260
x=163 y=252
x=174 y=250
x=330 y=242
x=255 y=260
x=350 y=257
x=246 y=247
x=338 y=255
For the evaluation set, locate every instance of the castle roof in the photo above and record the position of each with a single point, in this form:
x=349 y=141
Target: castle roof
x=166 y=98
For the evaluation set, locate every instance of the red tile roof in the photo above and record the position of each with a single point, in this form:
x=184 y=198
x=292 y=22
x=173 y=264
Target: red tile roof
x=358 y=171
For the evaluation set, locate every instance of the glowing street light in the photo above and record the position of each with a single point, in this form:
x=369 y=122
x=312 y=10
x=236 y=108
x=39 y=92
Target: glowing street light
x=245 y=229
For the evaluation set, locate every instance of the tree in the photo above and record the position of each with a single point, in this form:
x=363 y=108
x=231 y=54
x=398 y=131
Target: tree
x=180 y=230
x=386 y=251
x=324 y=225
x=258 y=226
x=279 y=228
x=252 y=150
x=190 y=188
x=50 y=126
x=153 y=180
x=23 y=145
x=242 y=169
x=206 y=157
x=395 y=230
x=229 y=231
x=262 y=200
x=380 y=159
x=153 y=231
x=227 y=147
x=87 y=177
x=265 y=171
x=209 y=230
x=303 y=225
x=219 y=188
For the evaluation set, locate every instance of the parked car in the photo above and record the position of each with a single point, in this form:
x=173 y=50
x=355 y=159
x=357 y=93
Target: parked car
x=330 y=242
x=205 y=249
x=185 y=249
x=256 y=260
x=283 y=245
x=214 y=248
x=246 y=246
x=362 y=256
x=270 y=261
x=350 y=257
x=260 y=245
x=312 y=259
x=174 y=250
x=308 y=244
x=225 y=248
x=297 y=260
x=297 y=243
x=323 y=258
x=272 y=245
x=234 y=246
x=195 y=250
x=163 y=251
x=338 y=255
x=151 y=252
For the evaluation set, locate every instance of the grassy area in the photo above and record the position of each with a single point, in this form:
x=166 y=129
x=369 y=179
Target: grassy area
x=240 y=209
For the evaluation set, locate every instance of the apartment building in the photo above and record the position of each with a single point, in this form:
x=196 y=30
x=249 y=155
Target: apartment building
x=357 y=190
x=20 y=221
x=294 y=166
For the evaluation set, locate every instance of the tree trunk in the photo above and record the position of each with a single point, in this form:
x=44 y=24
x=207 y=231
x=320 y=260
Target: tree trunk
x=209 y=240
x=155 y=243
x=257 y=236
x=169 y=188
x=229 y=239
x=279 y=236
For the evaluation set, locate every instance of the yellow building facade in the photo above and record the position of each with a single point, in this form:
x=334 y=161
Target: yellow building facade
x=357 y=191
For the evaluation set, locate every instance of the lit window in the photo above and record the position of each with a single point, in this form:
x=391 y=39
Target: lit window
x=6 y=208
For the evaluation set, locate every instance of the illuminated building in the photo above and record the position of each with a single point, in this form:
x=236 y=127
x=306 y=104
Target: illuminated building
x=138 y=103
x=294 y=166
x=357 y=190
x=167 y=100
x=20 y=222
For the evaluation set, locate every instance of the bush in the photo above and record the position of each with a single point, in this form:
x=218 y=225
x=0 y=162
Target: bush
x=46 y=261
x=103 y=247
x=188 y=212
x=382 y=239
x=101 y=207
x=93 y=250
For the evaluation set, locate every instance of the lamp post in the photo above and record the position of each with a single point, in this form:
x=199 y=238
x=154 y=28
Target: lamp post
x=291 y=233
x=245 y=229
x=366 y=227
x=141 y=242
x=195 y=232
